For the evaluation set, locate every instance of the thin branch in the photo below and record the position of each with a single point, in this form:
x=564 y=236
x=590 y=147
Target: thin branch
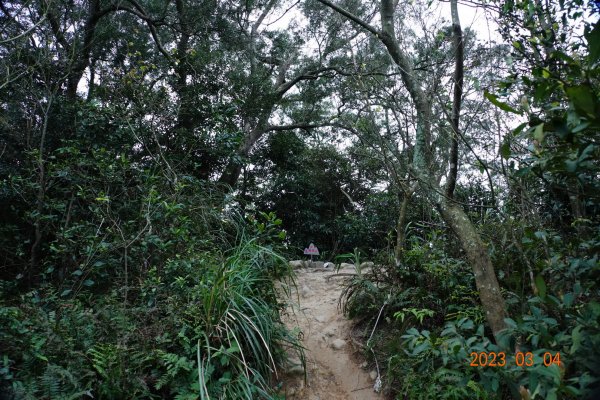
x=466 y=142
x=140 y=13
x=456 y=102
x=352 y=17
x=26 y=32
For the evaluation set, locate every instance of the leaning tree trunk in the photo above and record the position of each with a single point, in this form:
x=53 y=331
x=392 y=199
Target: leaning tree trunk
x=401 y=224
x=470 y=240
x=459 y=50
x=477 y=254
x=485 y=276
x=400 y=229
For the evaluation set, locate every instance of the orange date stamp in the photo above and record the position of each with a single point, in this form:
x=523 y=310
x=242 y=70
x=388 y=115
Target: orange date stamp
x=520 y=359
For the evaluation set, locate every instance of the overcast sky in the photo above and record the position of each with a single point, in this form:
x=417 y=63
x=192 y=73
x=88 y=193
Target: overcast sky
x=470 y=17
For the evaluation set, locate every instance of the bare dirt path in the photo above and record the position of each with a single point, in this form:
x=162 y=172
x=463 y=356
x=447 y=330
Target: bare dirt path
x=332 y=363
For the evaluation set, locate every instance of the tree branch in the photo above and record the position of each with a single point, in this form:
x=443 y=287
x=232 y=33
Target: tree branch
x=456 y=103
x=26 y=32
x=308 y=75
x=351 y=17
x=54 y=25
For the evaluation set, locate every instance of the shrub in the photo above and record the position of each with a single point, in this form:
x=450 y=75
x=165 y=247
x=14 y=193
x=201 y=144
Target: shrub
x=149 y=285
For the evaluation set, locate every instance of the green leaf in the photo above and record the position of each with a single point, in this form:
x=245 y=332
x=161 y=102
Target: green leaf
x=519 y=128
x=581 y=127
x=582 y=98
x=505 y=150
x=587 y=153
x=593 y=39
x=538 y=133
x=503 y=106
x=66 y=293
x=421 y=348
x=545 y=73
x=576 y=338
x=571 y=166
x=568 y=299
x=88 y=282
x=573 y=391
x=541 y=286
x=552 y=372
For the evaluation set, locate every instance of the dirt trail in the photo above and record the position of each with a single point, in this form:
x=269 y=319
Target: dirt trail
x=332 y=362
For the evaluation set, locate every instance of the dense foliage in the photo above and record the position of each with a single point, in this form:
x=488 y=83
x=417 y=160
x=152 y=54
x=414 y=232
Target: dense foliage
x=544 y=240
x=160 y=161
x=149 y=287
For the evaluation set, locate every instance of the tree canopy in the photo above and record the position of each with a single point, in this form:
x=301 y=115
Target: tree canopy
x=161 y=161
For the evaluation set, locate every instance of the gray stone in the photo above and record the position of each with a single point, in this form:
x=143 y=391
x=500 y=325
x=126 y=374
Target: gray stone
x=329 y=331
x=295 y=370
x=366 y=264
x=321 y=318
x=373 y=375
x=346 y=265
x=316 y=264
x=305 y=291
x=295 y=264
x=294 y=366
x=338 y=344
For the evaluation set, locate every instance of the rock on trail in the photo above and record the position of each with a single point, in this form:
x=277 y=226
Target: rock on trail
x=332 y=363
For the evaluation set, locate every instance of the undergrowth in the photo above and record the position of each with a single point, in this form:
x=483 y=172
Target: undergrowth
x=150 y=286
x=432 y=324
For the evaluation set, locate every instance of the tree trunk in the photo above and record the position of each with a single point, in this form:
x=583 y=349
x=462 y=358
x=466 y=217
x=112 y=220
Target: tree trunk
x=407 y=194
x=476 y=250
x=400 y=229
x=485 y=277
x=456 y=103
x=232 y=171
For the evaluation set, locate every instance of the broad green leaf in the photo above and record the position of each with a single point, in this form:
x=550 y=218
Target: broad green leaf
x=593 y=39
x=505 y=150
x=571 y=166
x=576 y=338
x=421 y=348
x=551 y=371
x=519 y=128
x=587 y=153
x=541 y=286
x=583 y=99
x=545 y=73
x=503 y=106
x=568 y=299
x=538 y=133
x=581 y=127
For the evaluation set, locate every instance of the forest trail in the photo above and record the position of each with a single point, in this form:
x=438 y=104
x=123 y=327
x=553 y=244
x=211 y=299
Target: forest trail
x=332 y=362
